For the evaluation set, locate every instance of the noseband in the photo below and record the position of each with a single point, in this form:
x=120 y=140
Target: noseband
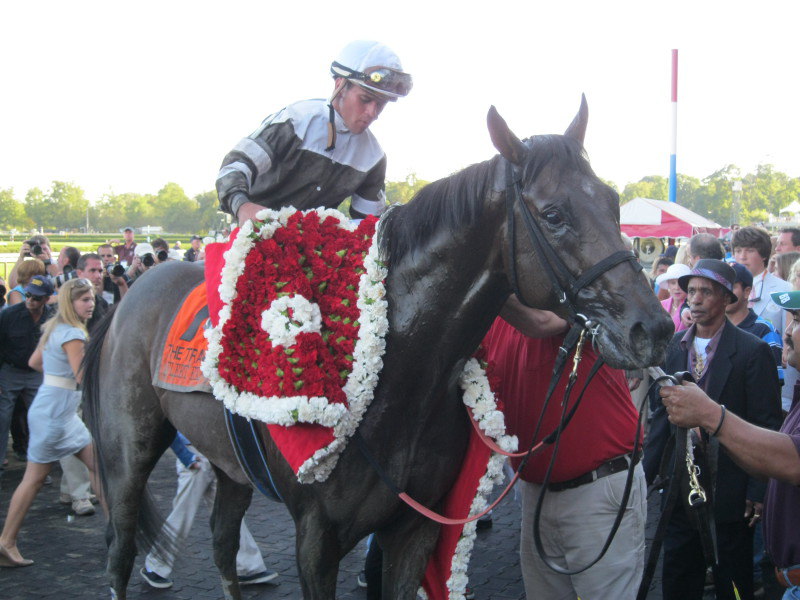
x=555 y=268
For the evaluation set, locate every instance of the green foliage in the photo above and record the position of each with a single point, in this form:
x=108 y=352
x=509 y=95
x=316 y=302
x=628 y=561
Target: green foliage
x=653 y=186
x=12 y=212
x=400 y=192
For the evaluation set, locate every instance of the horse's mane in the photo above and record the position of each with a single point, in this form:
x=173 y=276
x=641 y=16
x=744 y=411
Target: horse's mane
x=457 y=201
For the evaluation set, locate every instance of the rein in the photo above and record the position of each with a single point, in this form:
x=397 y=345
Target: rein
x=573 y=340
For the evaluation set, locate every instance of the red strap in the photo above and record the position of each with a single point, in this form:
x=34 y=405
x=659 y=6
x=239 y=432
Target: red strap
x=424 y=510
x=490 y=443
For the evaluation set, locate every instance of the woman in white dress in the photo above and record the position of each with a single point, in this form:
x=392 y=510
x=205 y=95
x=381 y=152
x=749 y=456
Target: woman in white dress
x=56 y=430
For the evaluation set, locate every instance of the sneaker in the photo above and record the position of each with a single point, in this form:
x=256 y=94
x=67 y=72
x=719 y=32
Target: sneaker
x=362 y=579
x=65 y=499
x=263 y=577
x=154 y=579
x=82 y=507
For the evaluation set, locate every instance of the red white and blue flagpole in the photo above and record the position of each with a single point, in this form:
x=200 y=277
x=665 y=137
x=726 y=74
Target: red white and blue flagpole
x=673 y=181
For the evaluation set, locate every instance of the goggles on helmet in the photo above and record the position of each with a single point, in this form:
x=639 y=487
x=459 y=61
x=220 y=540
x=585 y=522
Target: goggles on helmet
x=382 y=80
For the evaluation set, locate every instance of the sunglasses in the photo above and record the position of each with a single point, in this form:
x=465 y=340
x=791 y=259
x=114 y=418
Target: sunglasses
x=36 y=297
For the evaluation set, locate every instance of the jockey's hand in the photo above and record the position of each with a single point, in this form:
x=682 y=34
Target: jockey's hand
x=248 y=211
x=753 y=511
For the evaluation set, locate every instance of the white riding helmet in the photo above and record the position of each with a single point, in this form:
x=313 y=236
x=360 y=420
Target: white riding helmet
x=373 y=66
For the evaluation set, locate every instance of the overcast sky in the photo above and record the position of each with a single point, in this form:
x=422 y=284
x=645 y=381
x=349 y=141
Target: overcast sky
x=127 y=96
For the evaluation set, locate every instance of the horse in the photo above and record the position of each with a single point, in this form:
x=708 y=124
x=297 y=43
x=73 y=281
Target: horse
x=456 y=253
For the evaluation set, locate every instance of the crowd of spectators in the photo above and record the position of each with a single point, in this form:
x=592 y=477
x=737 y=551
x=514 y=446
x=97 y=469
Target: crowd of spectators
x=111 y=270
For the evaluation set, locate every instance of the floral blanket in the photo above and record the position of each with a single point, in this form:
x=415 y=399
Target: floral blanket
x=299 y=316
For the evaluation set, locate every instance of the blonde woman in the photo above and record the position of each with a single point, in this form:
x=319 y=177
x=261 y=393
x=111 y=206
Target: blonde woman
x=26 y=270
x=55 y=429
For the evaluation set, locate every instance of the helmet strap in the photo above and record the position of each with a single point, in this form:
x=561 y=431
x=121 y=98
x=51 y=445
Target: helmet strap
x=332 y=118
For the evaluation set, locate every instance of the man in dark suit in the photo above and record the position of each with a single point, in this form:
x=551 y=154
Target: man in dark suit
x=736 y=370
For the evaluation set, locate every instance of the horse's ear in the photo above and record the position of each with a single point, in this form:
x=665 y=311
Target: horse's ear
x=577 y=129
x=504 y=139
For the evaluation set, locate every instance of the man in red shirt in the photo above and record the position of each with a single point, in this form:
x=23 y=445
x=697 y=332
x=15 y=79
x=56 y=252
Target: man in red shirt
x=589 y=474
x=125 y=252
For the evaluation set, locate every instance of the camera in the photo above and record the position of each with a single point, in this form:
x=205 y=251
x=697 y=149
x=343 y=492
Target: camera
x=36 y=249
x=148 y=260
x=67 y=274
x=115 y=270
x=162 y=256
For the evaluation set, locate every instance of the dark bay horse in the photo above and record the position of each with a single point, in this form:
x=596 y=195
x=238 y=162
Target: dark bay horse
x=455 y=252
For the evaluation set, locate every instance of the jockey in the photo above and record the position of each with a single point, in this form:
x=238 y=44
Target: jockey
x=315 y=153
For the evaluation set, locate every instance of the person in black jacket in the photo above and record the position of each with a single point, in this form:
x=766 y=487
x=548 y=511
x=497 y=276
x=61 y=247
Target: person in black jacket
x=736 y=370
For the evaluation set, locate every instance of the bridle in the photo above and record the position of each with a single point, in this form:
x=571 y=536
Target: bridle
x=557 y=272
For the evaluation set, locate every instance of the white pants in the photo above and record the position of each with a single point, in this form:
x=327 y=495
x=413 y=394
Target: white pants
x=75 y=478
x=193 y=487
x=574 y=527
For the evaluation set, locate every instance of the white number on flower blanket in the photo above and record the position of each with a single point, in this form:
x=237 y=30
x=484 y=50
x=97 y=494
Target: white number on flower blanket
x=289 y=316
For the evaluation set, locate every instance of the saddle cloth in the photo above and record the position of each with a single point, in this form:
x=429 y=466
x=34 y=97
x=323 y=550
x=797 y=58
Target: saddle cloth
x=185 y=346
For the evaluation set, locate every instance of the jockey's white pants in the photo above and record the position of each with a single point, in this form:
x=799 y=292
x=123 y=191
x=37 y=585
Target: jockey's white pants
x=195 y=486
x=574 y=527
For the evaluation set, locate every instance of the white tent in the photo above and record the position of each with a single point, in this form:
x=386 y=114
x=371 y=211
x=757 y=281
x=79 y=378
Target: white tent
x=645 y=217
x=793 y=208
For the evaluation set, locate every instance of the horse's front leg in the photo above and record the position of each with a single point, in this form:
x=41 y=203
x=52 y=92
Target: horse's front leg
x=230 y=504
x=407 y=545
x=318 y=555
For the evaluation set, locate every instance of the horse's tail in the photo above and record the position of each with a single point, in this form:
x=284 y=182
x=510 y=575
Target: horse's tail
x=150 y=521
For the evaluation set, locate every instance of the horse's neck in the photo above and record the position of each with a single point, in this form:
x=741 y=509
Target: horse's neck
x=443 y=300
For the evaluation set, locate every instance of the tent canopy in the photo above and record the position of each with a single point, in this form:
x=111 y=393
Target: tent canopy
x=793 y=208
x=645 y=217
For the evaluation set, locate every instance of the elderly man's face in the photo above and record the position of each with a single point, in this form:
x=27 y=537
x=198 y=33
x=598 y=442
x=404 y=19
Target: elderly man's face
x=707 y=301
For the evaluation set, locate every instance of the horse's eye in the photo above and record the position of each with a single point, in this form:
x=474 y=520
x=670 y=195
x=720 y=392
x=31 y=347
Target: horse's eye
x=552 y=216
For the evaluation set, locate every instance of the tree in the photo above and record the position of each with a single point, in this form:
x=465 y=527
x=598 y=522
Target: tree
x=12 y=212
x=400 y=192
x=174 y=210
x=68 y=205
x=208 y=215
x=37 y=207
x=653 y=186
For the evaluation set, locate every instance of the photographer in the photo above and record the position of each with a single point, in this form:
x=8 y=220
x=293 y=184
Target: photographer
x=67 y=264
x=114 y=282
x=144 y=258
x=37 y=247
x=161 y=248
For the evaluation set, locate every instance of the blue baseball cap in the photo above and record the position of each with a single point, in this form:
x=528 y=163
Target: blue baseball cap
x=40 y=285
x=743 y=276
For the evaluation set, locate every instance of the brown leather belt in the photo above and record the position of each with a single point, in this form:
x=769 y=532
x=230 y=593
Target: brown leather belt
x=615 y=465
x=788 y=577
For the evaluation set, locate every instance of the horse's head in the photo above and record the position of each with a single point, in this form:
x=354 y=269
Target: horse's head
x=564 y=251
